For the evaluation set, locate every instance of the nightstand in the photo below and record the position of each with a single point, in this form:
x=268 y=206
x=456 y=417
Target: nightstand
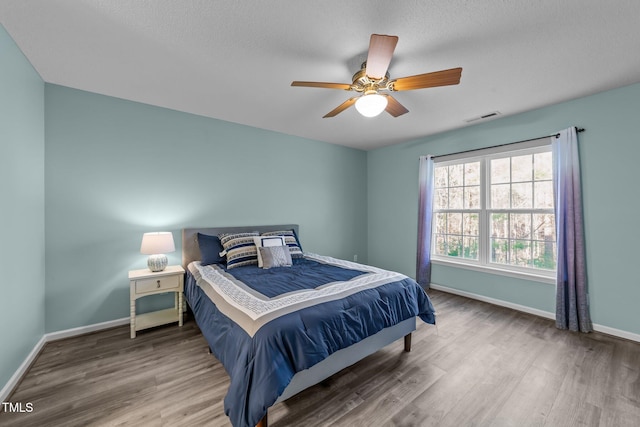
x=145 y=282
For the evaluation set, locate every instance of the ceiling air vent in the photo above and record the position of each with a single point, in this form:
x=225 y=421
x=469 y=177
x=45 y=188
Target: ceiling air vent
x=484 y=117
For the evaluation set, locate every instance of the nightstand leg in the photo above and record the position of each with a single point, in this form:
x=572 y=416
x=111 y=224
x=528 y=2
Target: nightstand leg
x=133 y=318
x=179 y=308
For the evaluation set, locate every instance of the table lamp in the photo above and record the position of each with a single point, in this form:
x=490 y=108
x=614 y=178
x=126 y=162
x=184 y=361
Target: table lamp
x=156 y=245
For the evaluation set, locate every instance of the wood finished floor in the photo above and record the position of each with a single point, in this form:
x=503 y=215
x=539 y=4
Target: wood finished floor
x=483 y=366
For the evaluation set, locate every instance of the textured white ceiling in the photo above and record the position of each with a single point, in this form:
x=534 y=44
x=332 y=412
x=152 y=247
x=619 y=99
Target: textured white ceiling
x=235 y=59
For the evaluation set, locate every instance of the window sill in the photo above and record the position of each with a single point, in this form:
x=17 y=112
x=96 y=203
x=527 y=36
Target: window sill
x=551 y=280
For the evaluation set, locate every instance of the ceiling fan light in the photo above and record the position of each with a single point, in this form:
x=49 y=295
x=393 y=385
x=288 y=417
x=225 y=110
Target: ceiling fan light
x=371 y=105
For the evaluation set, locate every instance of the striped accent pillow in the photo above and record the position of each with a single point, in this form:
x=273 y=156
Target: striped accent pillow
x=239 y=248
x=290 y=239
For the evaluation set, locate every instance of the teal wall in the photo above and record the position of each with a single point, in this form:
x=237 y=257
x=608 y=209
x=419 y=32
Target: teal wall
x=116 y=169
x=609 y=153
x=22 y=260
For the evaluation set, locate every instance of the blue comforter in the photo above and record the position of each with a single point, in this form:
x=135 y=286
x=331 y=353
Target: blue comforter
x=261 y=367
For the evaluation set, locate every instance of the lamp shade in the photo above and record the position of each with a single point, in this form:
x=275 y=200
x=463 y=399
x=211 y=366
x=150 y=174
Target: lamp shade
x=160 y=242
x=370 y=105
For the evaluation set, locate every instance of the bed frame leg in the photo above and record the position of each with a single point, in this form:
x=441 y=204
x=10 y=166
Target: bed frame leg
x=407 y=343
x=263 y=422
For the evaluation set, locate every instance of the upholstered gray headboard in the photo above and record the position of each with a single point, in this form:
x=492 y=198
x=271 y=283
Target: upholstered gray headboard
x=191 y=251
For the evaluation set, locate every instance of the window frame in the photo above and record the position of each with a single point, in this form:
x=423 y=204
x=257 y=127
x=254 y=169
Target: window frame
x=483 y=263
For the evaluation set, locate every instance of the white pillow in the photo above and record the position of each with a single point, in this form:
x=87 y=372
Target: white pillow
x=267 y=241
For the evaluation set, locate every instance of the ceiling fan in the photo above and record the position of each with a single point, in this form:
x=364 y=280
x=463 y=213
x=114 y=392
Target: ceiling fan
x=373 y=78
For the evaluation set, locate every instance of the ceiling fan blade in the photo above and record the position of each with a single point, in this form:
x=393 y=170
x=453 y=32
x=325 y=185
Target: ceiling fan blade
x=381 y=49
x=343 y=86
x=394 y=107
x=340 y=108
x=421 y=81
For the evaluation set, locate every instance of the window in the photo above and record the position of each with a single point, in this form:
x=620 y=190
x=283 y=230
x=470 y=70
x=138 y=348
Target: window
x=496 y=211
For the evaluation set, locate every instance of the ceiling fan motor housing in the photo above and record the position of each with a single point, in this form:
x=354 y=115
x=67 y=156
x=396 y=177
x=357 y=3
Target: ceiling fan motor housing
x=364 y=84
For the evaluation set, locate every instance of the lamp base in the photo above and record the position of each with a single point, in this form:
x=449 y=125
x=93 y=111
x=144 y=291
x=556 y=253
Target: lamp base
x=157 y=262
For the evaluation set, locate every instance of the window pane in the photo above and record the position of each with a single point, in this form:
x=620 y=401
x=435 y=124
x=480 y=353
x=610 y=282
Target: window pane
x=454 y=223
x=543 y=166
x=455 y=175
x=471 y=224
x=520 y=253
x=470 y=247
x=522 y=168
x=441 y=177
x=522 y=195
x=500 y=171
x=520 y=226
x=543 y=195
x=441 y=223
x=472 y=197
x=441 y=245
x=500 y=196
x=454 y=246
x=472 y=173
x=544 y=227
x=499 y=251
x=499 y=225
x=544 y=255
x=456 y=198
x=441 y=199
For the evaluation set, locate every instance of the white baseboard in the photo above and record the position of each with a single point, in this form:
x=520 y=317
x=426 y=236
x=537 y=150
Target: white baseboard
x=616 y=332
x=546 y=314
x=22 y=369
x=53 y=336
x=502 y=303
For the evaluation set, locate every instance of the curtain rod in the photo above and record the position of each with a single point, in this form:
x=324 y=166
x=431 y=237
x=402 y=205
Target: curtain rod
x=557 y=135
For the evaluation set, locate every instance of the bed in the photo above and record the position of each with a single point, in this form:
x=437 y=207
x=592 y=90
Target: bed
x=275 y=342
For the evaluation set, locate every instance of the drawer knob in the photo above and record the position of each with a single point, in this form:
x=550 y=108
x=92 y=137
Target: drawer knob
x=158 y=282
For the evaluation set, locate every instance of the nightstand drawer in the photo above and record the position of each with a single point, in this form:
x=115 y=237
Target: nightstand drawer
x=169 y=283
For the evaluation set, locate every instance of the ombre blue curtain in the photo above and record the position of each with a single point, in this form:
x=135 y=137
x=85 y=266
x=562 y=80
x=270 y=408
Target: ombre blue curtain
x=425 y=214
x=572 y=305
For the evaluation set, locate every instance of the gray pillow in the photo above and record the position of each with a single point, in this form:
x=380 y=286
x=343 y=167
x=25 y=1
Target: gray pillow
x=275 y=256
